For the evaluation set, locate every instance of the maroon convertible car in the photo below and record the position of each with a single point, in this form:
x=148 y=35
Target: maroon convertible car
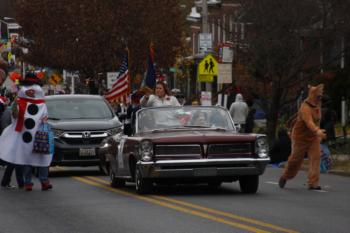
x=185 y=144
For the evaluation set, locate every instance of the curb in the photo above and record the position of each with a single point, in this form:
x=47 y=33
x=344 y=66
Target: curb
x=339 y=172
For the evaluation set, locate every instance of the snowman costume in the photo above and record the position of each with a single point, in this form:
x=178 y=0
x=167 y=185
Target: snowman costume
x=16 y=141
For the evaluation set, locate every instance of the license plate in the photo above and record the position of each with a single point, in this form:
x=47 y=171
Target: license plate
x=87 y=152
x=205 y=172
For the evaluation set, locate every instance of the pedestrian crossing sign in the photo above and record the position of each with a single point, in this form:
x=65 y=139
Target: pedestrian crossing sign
x=207 y=69
x=55 y=79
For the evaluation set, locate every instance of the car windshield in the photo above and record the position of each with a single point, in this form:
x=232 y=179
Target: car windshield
x=186 y=117
x=78 y=108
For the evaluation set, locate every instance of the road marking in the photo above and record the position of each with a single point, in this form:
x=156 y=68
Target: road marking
x=271 y=182
x=211 y=211
x=171 y=206
x=320 y=191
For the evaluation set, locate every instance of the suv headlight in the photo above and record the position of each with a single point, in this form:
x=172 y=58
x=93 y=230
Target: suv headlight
x=262 y=147
x=57 y=132
x=146 y=150
x=114 y=131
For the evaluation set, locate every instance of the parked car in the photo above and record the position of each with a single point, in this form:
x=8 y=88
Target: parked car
x=185 y=144
x=80 y=123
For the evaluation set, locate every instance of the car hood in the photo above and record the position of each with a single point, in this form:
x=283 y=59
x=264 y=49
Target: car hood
x=197 y=136
x=85 y=124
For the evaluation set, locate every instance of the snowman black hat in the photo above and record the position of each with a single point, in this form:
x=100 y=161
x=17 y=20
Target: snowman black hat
x=31 y=79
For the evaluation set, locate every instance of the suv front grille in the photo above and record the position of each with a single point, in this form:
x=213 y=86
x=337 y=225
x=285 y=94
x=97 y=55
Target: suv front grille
x=82 y=141
x=84 y=137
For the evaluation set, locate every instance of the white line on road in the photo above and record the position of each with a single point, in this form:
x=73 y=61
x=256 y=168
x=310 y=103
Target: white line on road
x=271 y=182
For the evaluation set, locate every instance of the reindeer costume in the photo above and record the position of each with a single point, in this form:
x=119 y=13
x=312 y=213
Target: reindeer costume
x=306 y=137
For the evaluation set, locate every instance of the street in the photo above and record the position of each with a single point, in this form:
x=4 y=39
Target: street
x=83 y=201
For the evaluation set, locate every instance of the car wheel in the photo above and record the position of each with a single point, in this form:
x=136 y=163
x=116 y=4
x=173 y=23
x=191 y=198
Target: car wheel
x=142 y=185
x=249 y=184
x=214 y=184
x=115 y=182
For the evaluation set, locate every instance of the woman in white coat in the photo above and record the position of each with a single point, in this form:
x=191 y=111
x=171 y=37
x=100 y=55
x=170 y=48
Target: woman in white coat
x=162 y=97
x=16 y=141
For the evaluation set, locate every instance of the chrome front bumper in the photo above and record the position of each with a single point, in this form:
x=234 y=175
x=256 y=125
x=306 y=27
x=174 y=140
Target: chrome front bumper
x=203 y=168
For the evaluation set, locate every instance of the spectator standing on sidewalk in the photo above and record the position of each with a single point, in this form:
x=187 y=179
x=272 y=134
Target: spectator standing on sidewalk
x=5 y=120
x=250 y=123
x=3 y=76
x=239 y=111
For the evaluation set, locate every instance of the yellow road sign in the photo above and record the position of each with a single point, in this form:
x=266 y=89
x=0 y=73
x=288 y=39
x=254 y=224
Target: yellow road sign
x=207 y=69
x=55 y=79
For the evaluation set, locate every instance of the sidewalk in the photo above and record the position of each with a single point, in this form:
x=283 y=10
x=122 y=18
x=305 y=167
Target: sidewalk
x=340 y=166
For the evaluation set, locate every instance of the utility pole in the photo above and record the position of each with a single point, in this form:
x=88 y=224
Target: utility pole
x=205 y=29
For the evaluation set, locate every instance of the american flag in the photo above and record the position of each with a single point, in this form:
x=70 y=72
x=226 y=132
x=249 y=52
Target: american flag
x=151 y=72
x=121 y=86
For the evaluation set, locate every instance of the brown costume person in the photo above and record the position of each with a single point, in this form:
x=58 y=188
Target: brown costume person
x=306 y=137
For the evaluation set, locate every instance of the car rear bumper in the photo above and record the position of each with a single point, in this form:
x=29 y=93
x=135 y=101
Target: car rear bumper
x=203 y=168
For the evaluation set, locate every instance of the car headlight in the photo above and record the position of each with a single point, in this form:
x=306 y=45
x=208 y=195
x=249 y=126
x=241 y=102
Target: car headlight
x=114 y=131
x=105 y=145
x=57 y=132
x=146 y=150
x=262 y=147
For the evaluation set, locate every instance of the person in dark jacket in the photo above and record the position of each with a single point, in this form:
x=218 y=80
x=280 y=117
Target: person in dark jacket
x=129 y=127
x=281 y=149
x=5 y=120
x=249 y=123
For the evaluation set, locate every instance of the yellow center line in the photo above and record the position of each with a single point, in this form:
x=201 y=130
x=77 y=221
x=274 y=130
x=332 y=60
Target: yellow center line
x=212 y=211
x=171 y=206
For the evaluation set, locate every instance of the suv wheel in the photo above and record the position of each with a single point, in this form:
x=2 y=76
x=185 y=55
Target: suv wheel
x=249 y=184
x=115 y=182
x=142 y=185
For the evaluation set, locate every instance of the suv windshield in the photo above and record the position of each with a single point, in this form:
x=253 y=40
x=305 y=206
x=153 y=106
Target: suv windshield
x=78 y=108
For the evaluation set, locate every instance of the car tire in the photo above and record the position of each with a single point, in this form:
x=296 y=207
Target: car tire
x=115 y=182
x=249 y=184
x=142 y=186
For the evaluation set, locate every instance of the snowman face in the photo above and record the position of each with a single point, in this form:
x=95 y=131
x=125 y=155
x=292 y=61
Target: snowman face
x=30 y=93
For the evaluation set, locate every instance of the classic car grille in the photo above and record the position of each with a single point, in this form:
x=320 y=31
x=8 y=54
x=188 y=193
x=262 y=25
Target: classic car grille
x=219 y=150
x=184 y=151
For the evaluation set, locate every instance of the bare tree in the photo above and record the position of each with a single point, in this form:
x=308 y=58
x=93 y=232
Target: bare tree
x=91 y=36
x=288 y=43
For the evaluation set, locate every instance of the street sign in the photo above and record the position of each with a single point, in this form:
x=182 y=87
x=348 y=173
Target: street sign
x=205 y=41
x=225 y=53
x=55 y=79
x=225 y=73
x=207 y=69
x=206 y=98
x=111 y=78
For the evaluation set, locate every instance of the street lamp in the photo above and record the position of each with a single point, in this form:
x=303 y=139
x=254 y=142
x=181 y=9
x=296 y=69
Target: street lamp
x=194 y=16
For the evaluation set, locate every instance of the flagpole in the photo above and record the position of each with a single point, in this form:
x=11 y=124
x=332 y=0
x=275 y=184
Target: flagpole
x=129 y=78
